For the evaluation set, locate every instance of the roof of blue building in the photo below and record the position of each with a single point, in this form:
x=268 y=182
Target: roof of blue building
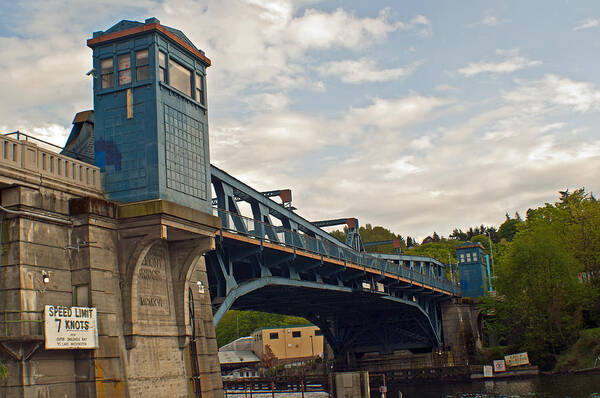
x=469 y=245
x=126 y=25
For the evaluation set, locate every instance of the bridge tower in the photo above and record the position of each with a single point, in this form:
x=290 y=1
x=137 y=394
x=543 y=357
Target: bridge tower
x=150 y=110
x=471 y=267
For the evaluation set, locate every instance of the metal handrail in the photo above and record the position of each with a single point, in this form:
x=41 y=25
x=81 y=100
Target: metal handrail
x=6 y=322
x=262 y=231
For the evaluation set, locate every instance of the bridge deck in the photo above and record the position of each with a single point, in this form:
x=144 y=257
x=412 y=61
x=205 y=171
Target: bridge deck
x=301 y=245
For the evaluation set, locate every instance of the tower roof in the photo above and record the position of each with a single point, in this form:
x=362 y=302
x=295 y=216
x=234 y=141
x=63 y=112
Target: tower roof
x=126 y=28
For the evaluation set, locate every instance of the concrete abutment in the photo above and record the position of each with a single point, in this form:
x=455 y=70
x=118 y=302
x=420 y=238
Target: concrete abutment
x=141 y=265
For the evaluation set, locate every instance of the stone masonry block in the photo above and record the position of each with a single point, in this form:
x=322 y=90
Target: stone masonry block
x=107 y=324
x=43 y=232
x=103 y=281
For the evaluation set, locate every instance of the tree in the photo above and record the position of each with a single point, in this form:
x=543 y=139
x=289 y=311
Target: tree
x=508 y=228
x=3 y=371
x=546 y=297
x=268 y=359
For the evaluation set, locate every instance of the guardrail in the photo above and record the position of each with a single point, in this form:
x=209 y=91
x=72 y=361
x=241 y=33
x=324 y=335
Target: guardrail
x=22 y=152
x=23 y=323
x=257 y=229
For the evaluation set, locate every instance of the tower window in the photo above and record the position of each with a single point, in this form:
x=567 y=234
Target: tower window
x=124 y=62
x=200 y=89
x=296 y=334
x=162 y=67
x=273 y=336
x=142 y=68
x=180 y=77
x=107 y=72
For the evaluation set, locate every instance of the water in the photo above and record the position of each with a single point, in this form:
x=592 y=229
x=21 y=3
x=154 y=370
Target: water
x=563 y=386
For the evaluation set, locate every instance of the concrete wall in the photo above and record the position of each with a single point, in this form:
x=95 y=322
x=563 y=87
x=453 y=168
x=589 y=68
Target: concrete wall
x=89 y=243
x=462 y=330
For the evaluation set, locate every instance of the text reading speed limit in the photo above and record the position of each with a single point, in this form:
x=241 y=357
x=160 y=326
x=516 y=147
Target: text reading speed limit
x=70 y=327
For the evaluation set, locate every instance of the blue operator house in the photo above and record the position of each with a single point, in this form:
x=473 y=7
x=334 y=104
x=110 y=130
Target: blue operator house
x=472 y=269
x=150 y=114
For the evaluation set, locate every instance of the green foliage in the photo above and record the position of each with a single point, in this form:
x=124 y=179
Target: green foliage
x=236 y=324
x=508 y=229
x=460 y=235
x=3 y=371
x=442 y=251
x=489 y=354
x=368 y=233
x=339 y=235
x=545 y=286
x=583 y=354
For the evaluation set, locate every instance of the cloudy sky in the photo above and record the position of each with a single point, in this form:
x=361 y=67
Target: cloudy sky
x=418 y=116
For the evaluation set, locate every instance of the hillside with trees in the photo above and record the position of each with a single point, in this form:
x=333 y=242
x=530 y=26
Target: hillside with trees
x=548 y=279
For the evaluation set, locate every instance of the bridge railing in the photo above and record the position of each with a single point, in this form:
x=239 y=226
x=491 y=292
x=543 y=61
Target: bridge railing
x=21 y=151
x=257 y=229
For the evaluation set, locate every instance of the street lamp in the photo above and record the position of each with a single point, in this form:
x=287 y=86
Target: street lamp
x=491 y=254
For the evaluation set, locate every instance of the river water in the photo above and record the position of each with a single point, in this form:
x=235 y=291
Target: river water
x=562 y=386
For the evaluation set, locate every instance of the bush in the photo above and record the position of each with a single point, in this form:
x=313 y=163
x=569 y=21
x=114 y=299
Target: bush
x=583 y=353
x=3 y=371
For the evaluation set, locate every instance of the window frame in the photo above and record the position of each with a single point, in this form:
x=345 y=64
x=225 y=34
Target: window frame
x=143 y=67
x=111 y=73
x=128 y=70
x=200 y=92
x=273 y=336
x=296 y=334
x=164 y=76
x=179 y=65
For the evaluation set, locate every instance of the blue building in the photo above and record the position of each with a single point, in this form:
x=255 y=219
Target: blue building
x=472 y=269
x=150 y=114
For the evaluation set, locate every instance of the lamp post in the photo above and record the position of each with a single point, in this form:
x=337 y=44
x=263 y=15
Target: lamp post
x=491 y=254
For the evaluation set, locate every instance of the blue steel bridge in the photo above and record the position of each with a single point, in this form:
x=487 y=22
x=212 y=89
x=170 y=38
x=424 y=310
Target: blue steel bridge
x=276 y=261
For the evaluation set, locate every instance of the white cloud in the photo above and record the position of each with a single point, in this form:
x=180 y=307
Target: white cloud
x=363 y=70
x=396 y=113
x=553 y=90
x=445 y=87
x=511 y=64
x=421 y=143
x=267 y=102
x=489 y=20
x=421 y=23
x=587 y=24
x=316 y=29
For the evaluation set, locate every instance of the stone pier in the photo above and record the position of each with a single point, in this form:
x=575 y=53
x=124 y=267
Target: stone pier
x=141 y=265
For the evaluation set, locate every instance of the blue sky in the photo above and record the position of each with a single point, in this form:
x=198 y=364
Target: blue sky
x=418 y=116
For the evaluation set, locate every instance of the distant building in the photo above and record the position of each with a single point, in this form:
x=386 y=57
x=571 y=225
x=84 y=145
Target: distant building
x=241 y=344
x=233 y=360
x=472 y=269
x=289 y=343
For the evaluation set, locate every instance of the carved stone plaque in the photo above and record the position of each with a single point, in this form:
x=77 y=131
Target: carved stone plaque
x=153 y=283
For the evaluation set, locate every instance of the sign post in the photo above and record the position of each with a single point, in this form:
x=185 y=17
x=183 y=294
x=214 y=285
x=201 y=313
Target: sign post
x=70 y=327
